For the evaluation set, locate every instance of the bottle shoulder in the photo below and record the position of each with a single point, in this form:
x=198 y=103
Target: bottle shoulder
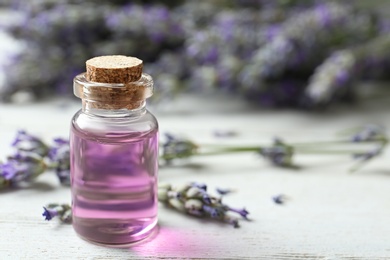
x=88 y=124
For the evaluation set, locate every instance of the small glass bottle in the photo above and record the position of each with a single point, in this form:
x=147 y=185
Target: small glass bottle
x=114 y=153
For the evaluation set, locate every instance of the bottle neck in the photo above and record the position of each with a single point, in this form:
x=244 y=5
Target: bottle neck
x=127 y=110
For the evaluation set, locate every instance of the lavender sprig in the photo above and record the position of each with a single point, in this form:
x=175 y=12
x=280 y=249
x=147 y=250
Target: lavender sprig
x=23 y=167
x=369 y=133
x=308 y=37
x=335 y=76
x=174 y=148
x=32 y=158
x=62 y=211
x=190 y=199
x=279 y=154
x=29 y=143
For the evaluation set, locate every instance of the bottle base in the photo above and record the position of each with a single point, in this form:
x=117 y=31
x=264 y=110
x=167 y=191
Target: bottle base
x=114 y=234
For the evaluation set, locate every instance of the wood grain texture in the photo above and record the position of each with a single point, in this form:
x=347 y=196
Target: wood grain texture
x=330 y=214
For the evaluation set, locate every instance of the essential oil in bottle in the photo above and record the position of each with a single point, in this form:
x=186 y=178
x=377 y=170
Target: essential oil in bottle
x=114 y=153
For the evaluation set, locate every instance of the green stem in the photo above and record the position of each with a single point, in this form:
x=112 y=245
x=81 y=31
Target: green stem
x=384 y=140
x=330 y=152
x=258 y=149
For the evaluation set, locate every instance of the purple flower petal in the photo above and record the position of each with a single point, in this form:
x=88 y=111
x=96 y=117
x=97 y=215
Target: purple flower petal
x=49 y=213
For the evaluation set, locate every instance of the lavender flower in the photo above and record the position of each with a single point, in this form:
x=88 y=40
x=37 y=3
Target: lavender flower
x=63 y=211
x=30 y=143
x=363 y=157
x=334 y=77
x=21 y=168
x=199 y=192
x=192 y=201
x=370 y=133
x=59 y=156
x=307 y=38
x=198 y=185
x=224 y=191
x=279 y=199
x=213 y=212
x=243 y=212
x=279 y=154
x=49 y=213
x=175 y=147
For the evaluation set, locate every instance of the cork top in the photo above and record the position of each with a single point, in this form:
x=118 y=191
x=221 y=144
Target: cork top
x=113 y=82
x=114 y=69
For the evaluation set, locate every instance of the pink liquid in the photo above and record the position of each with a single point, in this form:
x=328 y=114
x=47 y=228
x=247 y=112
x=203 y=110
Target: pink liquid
x=114 y=186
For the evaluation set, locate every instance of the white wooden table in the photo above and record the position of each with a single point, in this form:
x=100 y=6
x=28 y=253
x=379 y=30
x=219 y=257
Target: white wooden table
x=331 y=214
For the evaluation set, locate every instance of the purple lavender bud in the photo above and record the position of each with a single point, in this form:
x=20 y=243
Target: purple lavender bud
x=206 y=198
x=30 y=143
x=22 y=167
x=199 y=185
x=49 y=213
x=369 y=154
x=279 y=199
x=213 y=212
x=195 y=201
x=175 y=148
x=279 y=154
x=8 y=171
x=369 y=133
x=224 y=191
x=62 y=211
x=243 y=212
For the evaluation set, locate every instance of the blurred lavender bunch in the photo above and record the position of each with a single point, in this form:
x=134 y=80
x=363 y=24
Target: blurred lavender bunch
x=193 y=199
x=300 y=44
x=305 y=40
x=337 y=74
x=31 y=159
x=62 y=35
x=263 y=50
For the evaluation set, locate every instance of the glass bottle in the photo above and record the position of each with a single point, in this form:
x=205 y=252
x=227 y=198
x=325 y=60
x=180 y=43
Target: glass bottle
x=114 y=161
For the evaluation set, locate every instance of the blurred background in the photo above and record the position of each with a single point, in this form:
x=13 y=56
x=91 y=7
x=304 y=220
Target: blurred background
x=305 y=54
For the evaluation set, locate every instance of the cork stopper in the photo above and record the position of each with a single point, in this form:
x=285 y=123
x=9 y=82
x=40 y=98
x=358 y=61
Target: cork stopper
x=113 y=82
x=114 y=69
